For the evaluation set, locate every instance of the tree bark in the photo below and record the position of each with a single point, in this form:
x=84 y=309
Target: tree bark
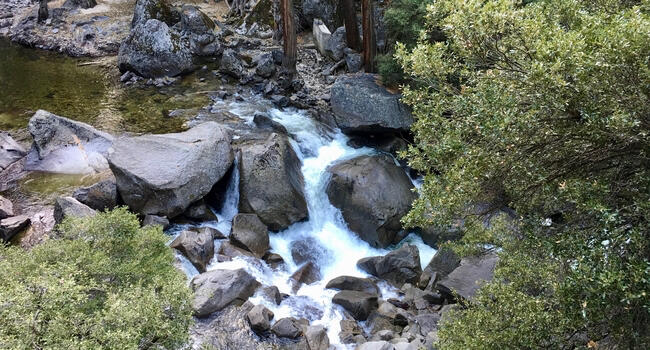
x=369 y=41
x=350 y=20
x=289 y=36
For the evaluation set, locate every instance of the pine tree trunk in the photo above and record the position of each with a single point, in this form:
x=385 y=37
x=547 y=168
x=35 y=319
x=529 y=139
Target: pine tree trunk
x=350 y=20
x=289 y=36
x=369 y=41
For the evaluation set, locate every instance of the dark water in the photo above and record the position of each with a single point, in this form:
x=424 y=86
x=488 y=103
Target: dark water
x=78 y=89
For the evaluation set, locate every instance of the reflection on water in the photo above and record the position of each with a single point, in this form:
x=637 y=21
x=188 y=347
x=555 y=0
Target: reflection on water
x=75 y=88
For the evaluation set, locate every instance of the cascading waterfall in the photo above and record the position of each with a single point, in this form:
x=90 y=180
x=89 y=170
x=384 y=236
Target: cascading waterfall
x=317 y=150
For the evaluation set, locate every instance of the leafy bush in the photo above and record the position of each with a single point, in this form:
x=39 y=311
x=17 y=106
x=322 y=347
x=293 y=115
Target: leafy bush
x=105 y=284
x=541 y=106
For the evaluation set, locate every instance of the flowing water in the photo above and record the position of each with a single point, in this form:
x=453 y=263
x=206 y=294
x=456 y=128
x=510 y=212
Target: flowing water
x=318 y=149
x=31 y=80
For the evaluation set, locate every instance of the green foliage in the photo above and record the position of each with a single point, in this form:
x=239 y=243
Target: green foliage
x=105 y=284
x=541 y=106
x=405 y=21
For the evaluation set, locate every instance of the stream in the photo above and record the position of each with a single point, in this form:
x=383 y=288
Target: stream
x=317 y=149
x=31 y=80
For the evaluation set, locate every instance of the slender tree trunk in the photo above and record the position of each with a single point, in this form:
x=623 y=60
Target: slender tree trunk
x=369 y=43
x=350 y=20
x=289 y=36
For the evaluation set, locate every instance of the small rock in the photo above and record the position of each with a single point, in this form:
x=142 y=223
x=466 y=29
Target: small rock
x=11 y=226
x=6 y=208
x=200 y=211
x=287 y=327
x=317 y=338
x=353 y=283
x=198 y=247
x=216 y=289
x=259 y=317
x=273 y=294
x=231 y=64
x=155 y=220
x=358 y=304
x=100 y=196
x=250 y=233
x=397 y=267
x=69 y=207
x=306 y=274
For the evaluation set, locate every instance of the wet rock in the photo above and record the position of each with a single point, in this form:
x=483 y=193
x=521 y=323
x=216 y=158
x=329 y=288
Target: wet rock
x=394 y=315
x=397 y=267
x=385 y=334
x=198 y=247
x=155 y=220
x=352 y=60
x=217 y=289
x=466 y=279
x=360 y=105
x=317 y=338
x=11 y=226
x=350 y=332
x=160 y=10
x=271 y=183
x=265 y=65
x=232 y=251
x=274 y=260
x=10 y=150
x=273 y=294
x=69 y=207
x=353 y=283
x=152 y=50
x=260 y=318
x=6 y=208
x=309 y=250
x=250 y=233
x=63 y=145
x=231 y=64
x=200 y=211
x=163 y=174
x=358 y=304
x=100 y=196
x=263 y=121
x=306 y=274
x=376 y=345
x=336 y=44
x=373 y=195
x=287 y=327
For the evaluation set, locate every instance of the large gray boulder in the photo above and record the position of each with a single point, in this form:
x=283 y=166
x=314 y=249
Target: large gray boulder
x=164 y=174
x=10 y=150
x=358 y=304
x=271 y=183
x=65 y=207
x=465 y=280
x=197 y=246
x=216 y=289
x=99 y=196
x=250 y=233
x=360 y=105
x=397 y=267
x=152 y=50
x=373 y=195
x=287 y=327
x=160 y=10
x=63 y=145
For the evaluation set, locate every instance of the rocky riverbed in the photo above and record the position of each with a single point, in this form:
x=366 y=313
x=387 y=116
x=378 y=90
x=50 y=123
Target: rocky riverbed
x=281 y=195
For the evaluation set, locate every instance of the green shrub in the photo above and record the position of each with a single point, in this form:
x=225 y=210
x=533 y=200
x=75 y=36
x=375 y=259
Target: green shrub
x=105 y=284
x=542 y=106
